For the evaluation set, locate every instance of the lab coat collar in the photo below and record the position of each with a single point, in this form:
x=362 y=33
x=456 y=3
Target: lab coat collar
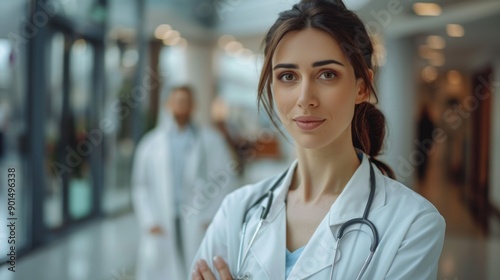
x=352 y=200
x=350 y=204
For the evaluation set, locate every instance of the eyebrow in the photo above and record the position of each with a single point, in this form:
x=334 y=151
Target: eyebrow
x=286 y=65
x=326 y=62
x=315 y=64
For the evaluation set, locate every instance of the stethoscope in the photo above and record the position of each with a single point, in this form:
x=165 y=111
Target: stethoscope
x=340 y=234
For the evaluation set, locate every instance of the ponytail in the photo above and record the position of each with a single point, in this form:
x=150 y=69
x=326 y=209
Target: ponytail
x=368 y=133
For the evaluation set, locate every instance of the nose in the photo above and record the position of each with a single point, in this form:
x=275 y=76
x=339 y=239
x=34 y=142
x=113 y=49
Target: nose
x=307 y=95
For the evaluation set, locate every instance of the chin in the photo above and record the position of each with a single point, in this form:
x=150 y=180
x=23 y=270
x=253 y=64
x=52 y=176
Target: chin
x=311 y=142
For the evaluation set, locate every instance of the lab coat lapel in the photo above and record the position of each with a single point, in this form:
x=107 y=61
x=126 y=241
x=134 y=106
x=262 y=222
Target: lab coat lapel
x=269 y=247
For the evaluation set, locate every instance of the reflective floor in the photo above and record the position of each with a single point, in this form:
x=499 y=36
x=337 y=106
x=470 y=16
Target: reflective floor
x=106 y=250
x=469 y=251
x=103 y=250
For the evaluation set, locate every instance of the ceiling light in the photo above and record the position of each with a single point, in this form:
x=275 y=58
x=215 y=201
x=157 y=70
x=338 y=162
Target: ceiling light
x=171 y=35
x=172 y=40
x=175 y=40
x=455 y=30
x=161 y=30
x=427 y=9
x=244 y=52
x=436 y=42
x=224 y=40
x=233 y=46
x=429 y=74
x=454 y=77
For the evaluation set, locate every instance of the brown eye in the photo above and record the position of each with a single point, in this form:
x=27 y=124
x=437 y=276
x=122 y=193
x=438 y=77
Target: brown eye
x=287 y=77
x=327 y=75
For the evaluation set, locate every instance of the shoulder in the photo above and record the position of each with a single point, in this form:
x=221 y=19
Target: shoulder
x=405 y=199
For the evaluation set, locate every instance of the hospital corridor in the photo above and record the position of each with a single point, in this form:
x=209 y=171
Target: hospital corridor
x=136 y=134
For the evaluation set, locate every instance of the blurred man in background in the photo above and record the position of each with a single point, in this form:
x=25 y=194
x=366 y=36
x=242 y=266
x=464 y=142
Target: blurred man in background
x=181 y=174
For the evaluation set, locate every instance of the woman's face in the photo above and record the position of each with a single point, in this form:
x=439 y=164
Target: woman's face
x=315 y=89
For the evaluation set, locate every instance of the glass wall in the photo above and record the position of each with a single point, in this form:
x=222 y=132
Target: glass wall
x=118 y=150
x=68 y=142
x=49 y=85
x=54 y=166
x=122 y=57
x=13 y=128
x=80 y=183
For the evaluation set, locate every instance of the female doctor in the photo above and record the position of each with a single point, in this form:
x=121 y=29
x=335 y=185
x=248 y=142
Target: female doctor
x=335 y=213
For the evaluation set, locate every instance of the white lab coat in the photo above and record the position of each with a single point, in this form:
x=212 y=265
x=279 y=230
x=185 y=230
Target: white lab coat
x=209 y=176
x=411 y=233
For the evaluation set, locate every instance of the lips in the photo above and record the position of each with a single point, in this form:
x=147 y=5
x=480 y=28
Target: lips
x=308 y=122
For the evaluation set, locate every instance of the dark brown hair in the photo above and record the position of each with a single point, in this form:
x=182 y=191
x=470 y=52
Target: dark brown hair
x=332 y=17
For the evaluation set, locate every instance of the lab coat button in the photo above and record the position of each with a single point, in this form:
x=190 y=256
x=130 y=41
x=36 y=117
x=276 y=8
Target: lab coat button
x=247 y=276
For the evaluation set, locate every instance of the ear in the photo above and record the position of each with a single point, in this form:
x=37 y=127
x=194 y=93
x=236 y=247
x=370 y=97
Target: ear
x=363 y=91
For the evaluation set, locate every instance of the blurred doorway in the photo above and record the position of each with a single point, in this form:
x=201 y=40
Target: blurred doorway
x=66 y=63
x=477 y=187
x=68 y=191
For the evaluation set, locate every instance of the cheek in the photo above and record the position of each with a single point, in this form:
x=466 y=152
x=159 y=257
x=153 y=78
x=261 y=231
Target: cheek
x=283 y=101
x=340 y=103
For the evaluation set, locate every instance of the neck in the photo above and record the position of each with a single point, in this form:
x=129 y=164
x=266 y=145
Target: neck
x=181 y=124
x=324 y=172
